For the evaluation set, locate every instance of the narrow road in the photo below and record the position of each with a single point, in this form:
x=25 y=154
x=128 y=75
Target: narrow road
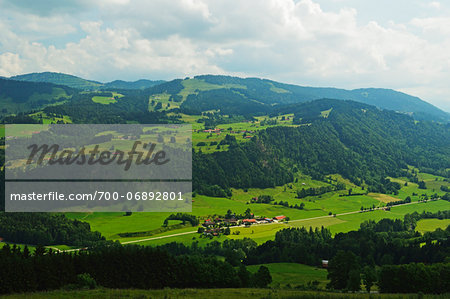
x=161 y=237
x=297 y=220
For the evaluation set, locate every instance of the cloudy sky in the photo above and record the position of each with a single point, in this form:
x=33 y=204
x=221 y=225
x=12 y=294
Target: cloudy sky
x=401 y=44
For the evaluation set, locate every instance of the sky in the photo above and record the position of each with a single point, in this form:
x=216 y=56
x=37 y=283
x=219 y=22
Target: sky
x=401 y=44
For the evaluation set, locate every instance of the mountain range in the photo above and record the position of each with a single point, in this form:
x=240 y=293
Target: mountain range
x=80 y=83
x=230 y=95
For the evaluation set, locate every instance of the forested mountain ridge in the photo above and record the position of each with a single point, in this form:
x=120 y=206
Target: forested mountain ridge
x=139 y=84
x=249 y=95
x=358 y=141
x=60 y=79
x=271 y=92
x=83 y=84
x=17 y=96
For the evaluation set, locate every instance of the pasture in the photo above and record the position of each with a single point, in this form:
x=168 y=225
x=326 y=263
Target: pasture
x=107 y=100
x=293 y=274
x=428 y=225
x=112 y=224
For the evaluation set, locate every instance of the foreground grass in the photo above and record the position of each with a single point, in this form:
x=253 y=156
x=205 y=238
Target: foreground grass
x=210 y=293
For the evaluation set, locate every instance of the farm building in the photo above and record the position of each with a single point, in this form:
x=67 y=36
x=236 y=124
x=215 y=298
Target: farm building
x=279 y=217
x=208 y=222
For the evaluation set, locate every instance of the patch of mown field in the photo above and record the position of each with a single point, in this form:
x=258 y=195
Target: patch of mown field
x=211 y=293
x=293 y=274
x=111 y=224
x=316 y=223
x=353 y=221
x=103 y=100
x=258 y=233
x=107 y=100
x=428 y=225
x=46 y=119
x=385 y=198
x=192 y=86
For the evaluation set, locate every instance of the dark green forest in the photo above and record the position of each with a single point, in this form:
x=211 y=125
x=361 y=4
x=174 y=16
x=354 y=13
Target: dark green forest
x=46 y=229
x=359 y=142
x=116 y=266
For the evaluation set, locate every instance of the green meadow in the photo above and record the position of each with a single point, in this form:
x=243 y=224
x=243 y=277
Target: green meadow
x=293 y=274
x=107 y=100
x=429 y=225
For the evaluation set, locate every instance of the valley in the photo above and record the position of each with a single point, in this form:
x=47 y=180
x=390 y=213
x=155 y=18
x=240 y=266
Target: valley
x=269 y=160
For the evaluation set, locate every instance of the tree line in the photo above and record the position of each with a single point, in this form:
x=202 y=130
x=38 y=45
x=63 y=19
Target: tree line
x=117 y=266
x=46 y=229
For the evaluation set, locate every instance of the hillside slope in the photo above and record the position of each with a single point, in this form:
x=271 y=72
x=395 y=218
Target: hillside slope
x=358 y=141
x=245 y=96
x=271 y=92
x=60 y=79
x=83 y=84
x=17 y=96
x=139 y=84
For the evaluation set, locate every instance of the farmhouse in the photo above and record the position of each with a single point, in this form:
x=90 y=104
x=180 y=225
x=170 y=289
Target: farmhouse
x=231 y=221
x=249 y=221
x=217 y=130
x=208 y=222
x=282 y=217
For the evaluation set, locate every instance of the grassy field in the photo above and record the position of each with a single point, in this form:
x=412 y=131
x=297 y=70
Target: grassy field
x=428 y=225
x=49 y=119
x=211 y=293
x=293 y=274
x=107 y=100
x=111 y=224
x=237 y=130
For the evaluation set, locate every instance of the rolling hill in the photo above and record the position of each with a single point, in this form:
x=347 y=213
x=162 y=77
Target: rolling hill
x=254 y=92
x=83 y=84
x=234 y=95
x=60 y=79
x=17 y=96
x=139 y=84
x=356 y=140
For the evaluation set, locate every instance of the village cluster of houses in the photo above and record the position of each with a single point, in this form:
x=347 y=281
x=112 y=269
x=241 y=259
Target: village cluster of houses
x=214 y=227
x=217 y=131
x=219 y=222
x=263 y=220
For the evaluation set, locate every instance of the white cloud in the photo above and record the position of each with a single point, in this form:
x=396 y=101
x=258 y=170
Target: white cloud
x=436 y=25
x=10 y=64
x=435 y=4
